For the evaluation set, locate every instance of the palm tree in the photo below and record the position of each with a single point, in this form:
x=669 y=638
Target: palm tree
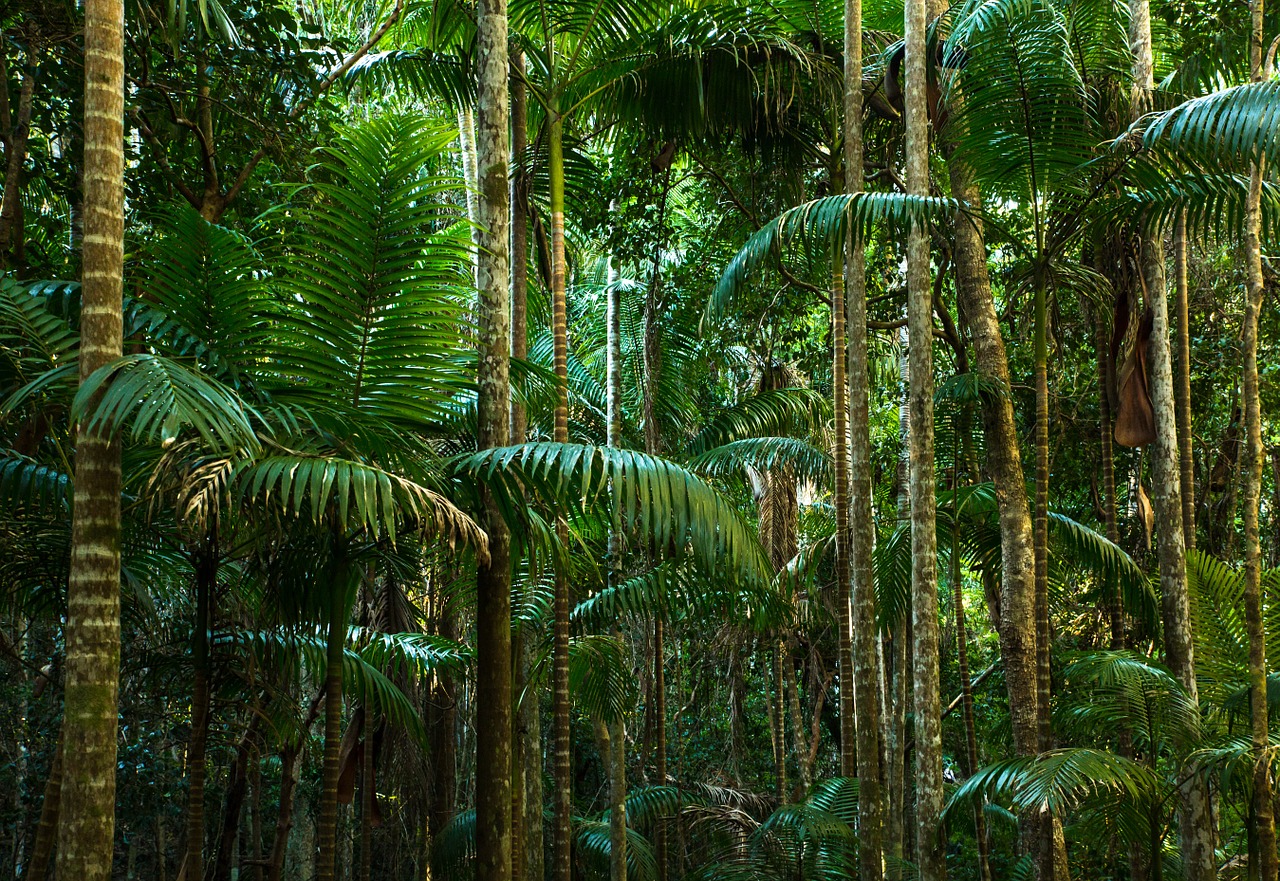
x=87 y=820
x=1263 y=807
x=930 y=845
x=864 y=675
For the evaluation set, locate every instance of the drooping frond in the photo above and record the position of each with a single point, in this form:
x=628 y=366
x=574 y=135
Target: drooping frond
x=665 y=505
x=316 y=485
x=814 y=225
x=1057 y=781
x=794 y=412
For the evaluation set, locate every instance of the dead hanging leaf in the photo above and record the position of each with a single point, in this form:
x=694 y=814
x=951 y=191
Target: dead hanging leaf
x=1146 y=515
x=1136 y=420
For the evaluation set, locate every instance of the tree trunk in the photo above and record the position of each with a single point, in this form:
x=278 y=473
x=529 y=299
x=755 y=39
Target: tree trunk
x=1182 y=385
x=493 y=404
x=866 y=673
x=652 y=357
x=562 y=839
x=1264 y=824
x=86 y=828
x=778 y=723
x=1195 y=828
x=206 y=581
x=327 y=827
x=15 y=140
x=368 y=797
x=47 y=828
x=233 y=806
x=284 y=816
x=930 y=843
x=844 y=610
x=519 y=250
x=1040 y=523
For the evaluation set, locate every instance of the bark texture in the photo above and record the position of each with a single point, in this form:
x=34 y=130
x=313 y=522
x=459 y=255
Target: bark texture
x=1263 y=804
x=86 y=827
x=866 y=673
x=493 y=405
x=930 y=845
x=562 y=772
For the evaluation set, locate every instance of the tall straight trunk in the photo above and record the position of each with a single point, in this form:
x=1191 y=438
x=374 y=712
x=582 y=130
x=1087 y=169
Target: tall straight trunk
x=930 y=844
x=652 y=356
x=206 y=579
x=562 y=838
x=1119 y=638
x=527 y=857
x=37 y=868
x=1195 y=826
x=844 y=616
x=15 y=140
x=86 y=822
x=1040 y=522
x=327 y=826
x=778 y=722
x=284 y=816
x=519 y=240
x=368 y=797
x=1016 y=614
x=962 y=663
x=895 y=744
x=1182 y=384
x=1264 y=824
x=866 y=673
x=613 y=731
x=493 y=424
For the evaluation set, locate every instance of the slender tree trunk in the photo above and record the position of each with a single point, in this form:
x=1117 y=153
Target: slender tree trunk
x=233 y=806
x=930 y=843
x=844 y=616
x=1040 y=523
x=368 y=797
x=652 y=356
x=778 y=723
x=1119 y=637
x=206 y=580
x=966 y=684
x=284 y=816
x=86 y=828
x=1182 y=385
x=327 y=827
x=1195 y=828
x=1004 y=461
x=493 y=575
x=1264 y=824
x=562 y=839
x=15 y=140
x=612 y=732
x=519 y=250
x=866 y=673
x=47 y=828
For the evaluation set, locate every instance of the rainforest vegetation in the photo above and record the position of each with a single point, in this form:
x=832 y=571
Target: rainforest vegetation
x=639 y=440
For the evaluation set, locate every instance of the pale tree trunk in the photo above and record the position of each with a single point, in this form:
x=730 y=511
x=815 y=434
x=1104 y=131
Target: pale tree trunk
x=527 y=805
x=777 y=515
x=930 y=844
x=493 y=419
x=612 y=732
x=1016 y=613
x=1263 y=806
x=848 y=736
x=15 y=135
x=1182 y=385
x=866 y=673
x=86 y=822
x=1195 y=826
x=562 y=838
x=653 y=446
